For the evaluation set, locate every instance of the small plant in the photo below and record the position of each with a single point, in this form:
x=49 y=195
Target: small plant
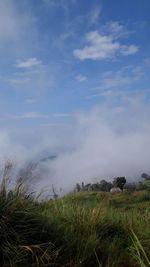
x=138 y=252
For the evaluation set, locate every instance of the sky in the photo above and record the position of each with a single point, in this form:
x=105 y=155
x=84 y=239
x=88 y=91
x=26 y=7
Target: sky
x=74 y=81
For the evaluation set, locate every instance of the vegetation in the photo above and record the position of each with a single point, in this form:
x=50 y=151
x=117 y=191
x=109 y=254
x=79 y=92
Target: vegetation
x=119 y=182
x=81 y=229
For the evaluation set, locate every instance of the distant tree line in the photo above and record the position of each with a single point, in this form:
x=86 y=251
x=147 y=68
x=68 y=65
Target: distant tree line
x=119 y=182
x=103 y=185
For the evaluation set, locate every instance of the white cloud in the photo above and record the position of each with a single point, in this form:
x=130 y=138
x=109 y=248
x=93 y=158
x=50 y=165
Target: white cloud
x=129 y=50
x=81 y=78
x=28 y=63
x=100 y=47
x=103 y=47
x=110 y=142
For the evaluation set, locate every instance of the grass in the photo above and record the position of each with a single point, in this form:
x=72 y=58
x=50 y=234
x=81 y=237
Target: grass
x=82 y=229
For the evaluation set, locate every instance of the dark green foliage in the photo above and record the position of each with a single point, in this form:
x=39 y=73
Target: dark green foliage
x=105 y=186
x=101 y=186
x=78 y=187
x=145 y=197
x=25 y=234
x=119 y=182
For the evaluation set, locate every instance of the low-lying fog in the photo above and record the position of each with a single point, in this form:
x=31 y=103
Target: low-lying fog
x=100 y=144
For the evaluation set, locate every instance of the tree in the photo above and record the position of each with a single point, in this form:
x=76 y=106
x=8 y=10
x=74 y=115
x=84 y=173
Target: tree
x=131 y=187
x=119 y=182
x=78 y=187
x=145 y=176
x=105 y=186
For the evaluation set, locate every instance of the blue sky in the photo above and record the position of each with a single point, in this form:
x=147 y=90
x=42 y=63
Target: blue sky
x=60 y=57
x=74 y=81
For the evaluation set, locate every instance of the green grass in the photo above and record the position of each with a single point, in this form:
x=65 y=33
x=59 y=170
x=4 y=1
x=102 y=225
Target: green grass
x=83 y=229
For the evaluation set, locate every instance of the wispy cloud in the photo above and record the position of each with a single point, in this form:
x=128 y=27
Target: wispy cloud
x=28 y=63
x=94 y=14
x=128 y=82
x=102 y=47
x=8 y=22
x=81 y=78
x=32 y=79
x=62 y=115
x=116 y=29
x=126 y=76
x=64 y=4
x=17 y=29
x=29 y=115
x=129 y=50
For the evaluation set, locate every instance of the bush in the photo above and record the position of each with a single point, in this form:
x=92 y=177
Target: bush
x=25 y=235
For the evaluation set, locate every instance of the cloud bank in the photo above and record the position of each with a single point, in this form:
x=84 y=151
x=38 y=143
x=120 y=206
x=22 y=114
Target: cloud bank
x=103 y=143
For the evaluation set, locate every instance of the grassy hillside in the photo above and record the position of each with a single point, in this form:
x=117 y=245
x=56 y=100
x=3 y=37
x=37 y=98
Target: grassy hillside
x=82 y=229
